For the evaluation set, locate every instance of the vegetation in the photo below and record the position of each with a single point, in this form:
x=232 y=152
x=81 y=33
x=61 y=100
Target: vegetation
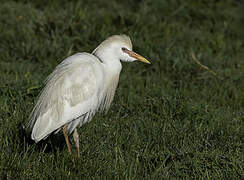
x=180 y=117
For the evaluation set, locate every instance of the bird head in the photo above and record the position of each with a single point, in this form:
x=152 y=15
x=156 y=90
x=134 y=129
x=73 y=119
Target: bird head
x=118 y=47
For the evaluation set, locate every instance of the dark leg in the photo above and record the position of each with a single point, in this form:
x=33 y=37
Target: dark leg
x=67 y=139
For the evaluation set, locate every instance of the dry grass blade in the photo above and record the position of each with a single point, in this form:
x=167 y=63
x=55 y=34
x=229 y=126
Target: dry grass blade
x=203 y=66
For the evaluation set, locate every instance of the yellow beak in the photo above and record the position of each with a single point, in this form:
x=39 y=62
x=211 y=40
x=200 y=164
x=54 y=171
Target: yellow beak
x=137 y=56
x=140 y=58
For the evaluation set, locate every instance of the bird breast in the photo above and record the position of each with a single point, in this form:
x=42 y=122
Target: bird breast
x=111 y=79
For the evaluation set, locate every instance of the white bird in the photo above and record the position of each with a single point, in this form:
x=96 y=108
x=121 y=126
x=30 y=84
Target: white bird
x=80 y=85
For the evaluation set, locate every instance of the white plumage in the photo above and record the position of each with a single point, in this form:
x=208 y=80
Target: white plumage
x=80 y=86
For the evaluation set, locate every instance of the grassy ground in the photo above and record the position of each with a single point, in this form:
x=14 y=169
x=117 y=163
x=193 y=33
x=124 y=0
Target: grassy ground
x=171 y=119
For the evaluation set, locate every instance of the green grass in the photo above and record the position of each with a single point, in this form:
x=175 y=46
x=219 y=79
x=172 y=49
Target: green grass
x=171 y=119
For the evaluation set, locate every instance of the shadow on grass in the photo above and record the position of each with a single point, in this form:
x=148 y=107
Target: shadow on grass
x=51 y=144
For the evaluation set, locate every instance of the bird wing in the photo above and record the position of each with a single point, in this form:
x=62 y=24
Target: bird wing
x=71 y=91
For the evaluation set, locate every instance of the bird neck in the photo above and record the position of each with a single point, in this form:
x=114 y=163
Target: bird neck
x=110 y=62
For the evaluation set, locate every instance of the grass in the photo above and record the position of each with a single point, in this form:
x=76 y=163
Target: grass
x=173 y=119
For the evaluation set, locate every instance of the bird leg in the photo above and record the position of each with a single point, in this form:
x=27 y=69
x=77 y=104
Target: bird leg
x=67 y=139
x=76 y=140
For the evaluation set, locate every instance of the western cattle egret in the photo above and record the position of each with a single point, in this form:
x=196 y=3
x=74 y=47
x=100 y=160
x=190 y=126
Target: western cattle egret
x=80 y=86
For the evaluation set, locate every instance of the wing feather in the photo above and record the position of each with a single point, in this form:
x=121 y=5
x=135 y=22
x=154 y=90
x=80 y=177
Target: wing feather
x=71 y=91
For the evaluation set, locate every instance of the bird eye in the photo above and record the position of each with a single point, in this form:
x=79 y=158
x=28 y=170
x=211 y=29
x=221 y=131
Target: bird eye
x=124 y=49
